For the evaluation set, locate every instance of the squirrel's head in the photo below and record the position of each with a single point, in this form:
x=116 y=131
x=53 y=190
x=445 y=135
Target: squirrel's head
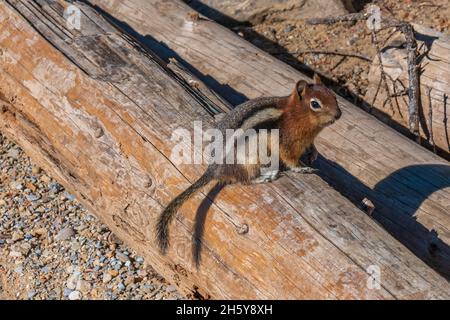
x=315 y=102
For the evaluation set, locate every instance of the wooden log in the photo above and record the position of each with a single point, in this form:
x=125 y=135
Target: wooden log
x=361 y=157
x=97 y=111
x=435 y=67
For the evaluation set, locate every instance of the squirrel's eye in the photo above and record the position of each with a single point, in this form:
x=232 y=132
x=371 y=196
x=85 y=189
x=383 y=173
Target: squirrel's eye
x=315 y=105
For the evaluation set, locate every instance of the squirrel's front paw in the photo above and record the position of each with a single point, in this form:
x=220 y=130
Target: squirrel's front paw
x=311 y=155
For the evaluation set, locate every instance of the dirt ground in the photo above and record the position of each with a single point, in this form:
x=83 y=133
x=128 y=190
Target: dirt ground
x=289 y=39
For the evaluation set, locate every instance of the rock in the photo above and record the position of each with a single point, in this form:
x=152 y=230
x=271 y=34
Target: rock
x=40 y=232
x=33 y=197
x=72 y=281
x=2 y=203
x=352 y=40
x=45 y=179
x=25 y=248
x=75 y=295
x=75 y=246
x=31 y=294
x=55 y=188
x=83 y=286
x=15 y=254
x=129 y=280
x=65 y=234
x=13 y=153
x=19 y=270
x=31 y=186
x=288 y=28
x=171 y=288
x=67 y=291
x=18 y=186
x=35 y=170
x=120 y=286
x=113 y=273
x=139 y=260
x=68 y=196
x=142 y=273
x=106 y=278
x=17 y=236
x=121 y=256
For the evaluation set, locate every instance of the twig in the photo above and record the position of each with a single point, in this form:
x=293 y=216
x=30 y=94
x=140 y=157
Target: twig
x=413 y=106
x=375 y=95
x=338 y=53
x=405 y=90
x=430 y=119
x=382 y=73
x=399 y=93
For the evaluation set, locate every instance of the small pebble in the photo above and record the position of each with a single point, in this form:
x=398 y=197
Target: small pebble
x=171 y=288
x=288 y=28
x=67 y=291
x=75 y=295
x=31 y=294
x=107 y=277
x=121 y=286
x=65 y=234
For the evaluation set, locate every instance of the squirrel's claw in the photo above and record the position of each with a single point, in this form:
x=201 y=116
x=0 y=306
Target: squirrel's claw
x=304 y=170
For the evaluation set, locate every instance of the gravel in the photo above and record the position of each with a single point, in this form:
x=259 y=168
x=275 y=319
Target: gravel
x=52 y=248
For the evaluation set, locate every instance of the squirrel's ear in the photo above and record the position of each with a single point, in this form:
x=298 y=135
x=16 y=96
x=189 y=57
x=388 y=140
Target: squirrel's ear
x=317 y=79
x=300 y=88
x=298 y=92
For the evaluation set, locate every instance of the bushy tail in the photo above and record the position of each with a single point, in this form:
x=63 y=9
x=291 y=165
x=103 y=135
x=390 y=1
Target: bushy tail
x=162 y=227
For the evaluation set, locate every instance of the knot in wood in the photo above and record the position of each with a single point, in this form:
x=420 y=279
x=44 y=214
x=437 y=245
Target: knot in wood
x=98 y=132
x=242 y=229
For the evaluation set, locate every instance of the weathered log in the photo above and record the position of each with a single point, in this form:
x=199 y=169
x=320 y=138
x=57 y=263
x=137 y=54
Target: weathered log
x=362 y=157
x=97 y=111
x=434 y=74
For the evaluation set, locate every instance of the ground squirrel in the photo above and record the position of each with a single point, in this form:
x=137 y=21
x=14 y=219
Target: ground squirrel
x=298 y=117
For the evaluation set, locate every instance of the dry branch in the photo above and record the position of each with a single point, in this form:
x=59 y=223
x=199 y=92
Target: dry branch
x=430 y=119
x=334 y=52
